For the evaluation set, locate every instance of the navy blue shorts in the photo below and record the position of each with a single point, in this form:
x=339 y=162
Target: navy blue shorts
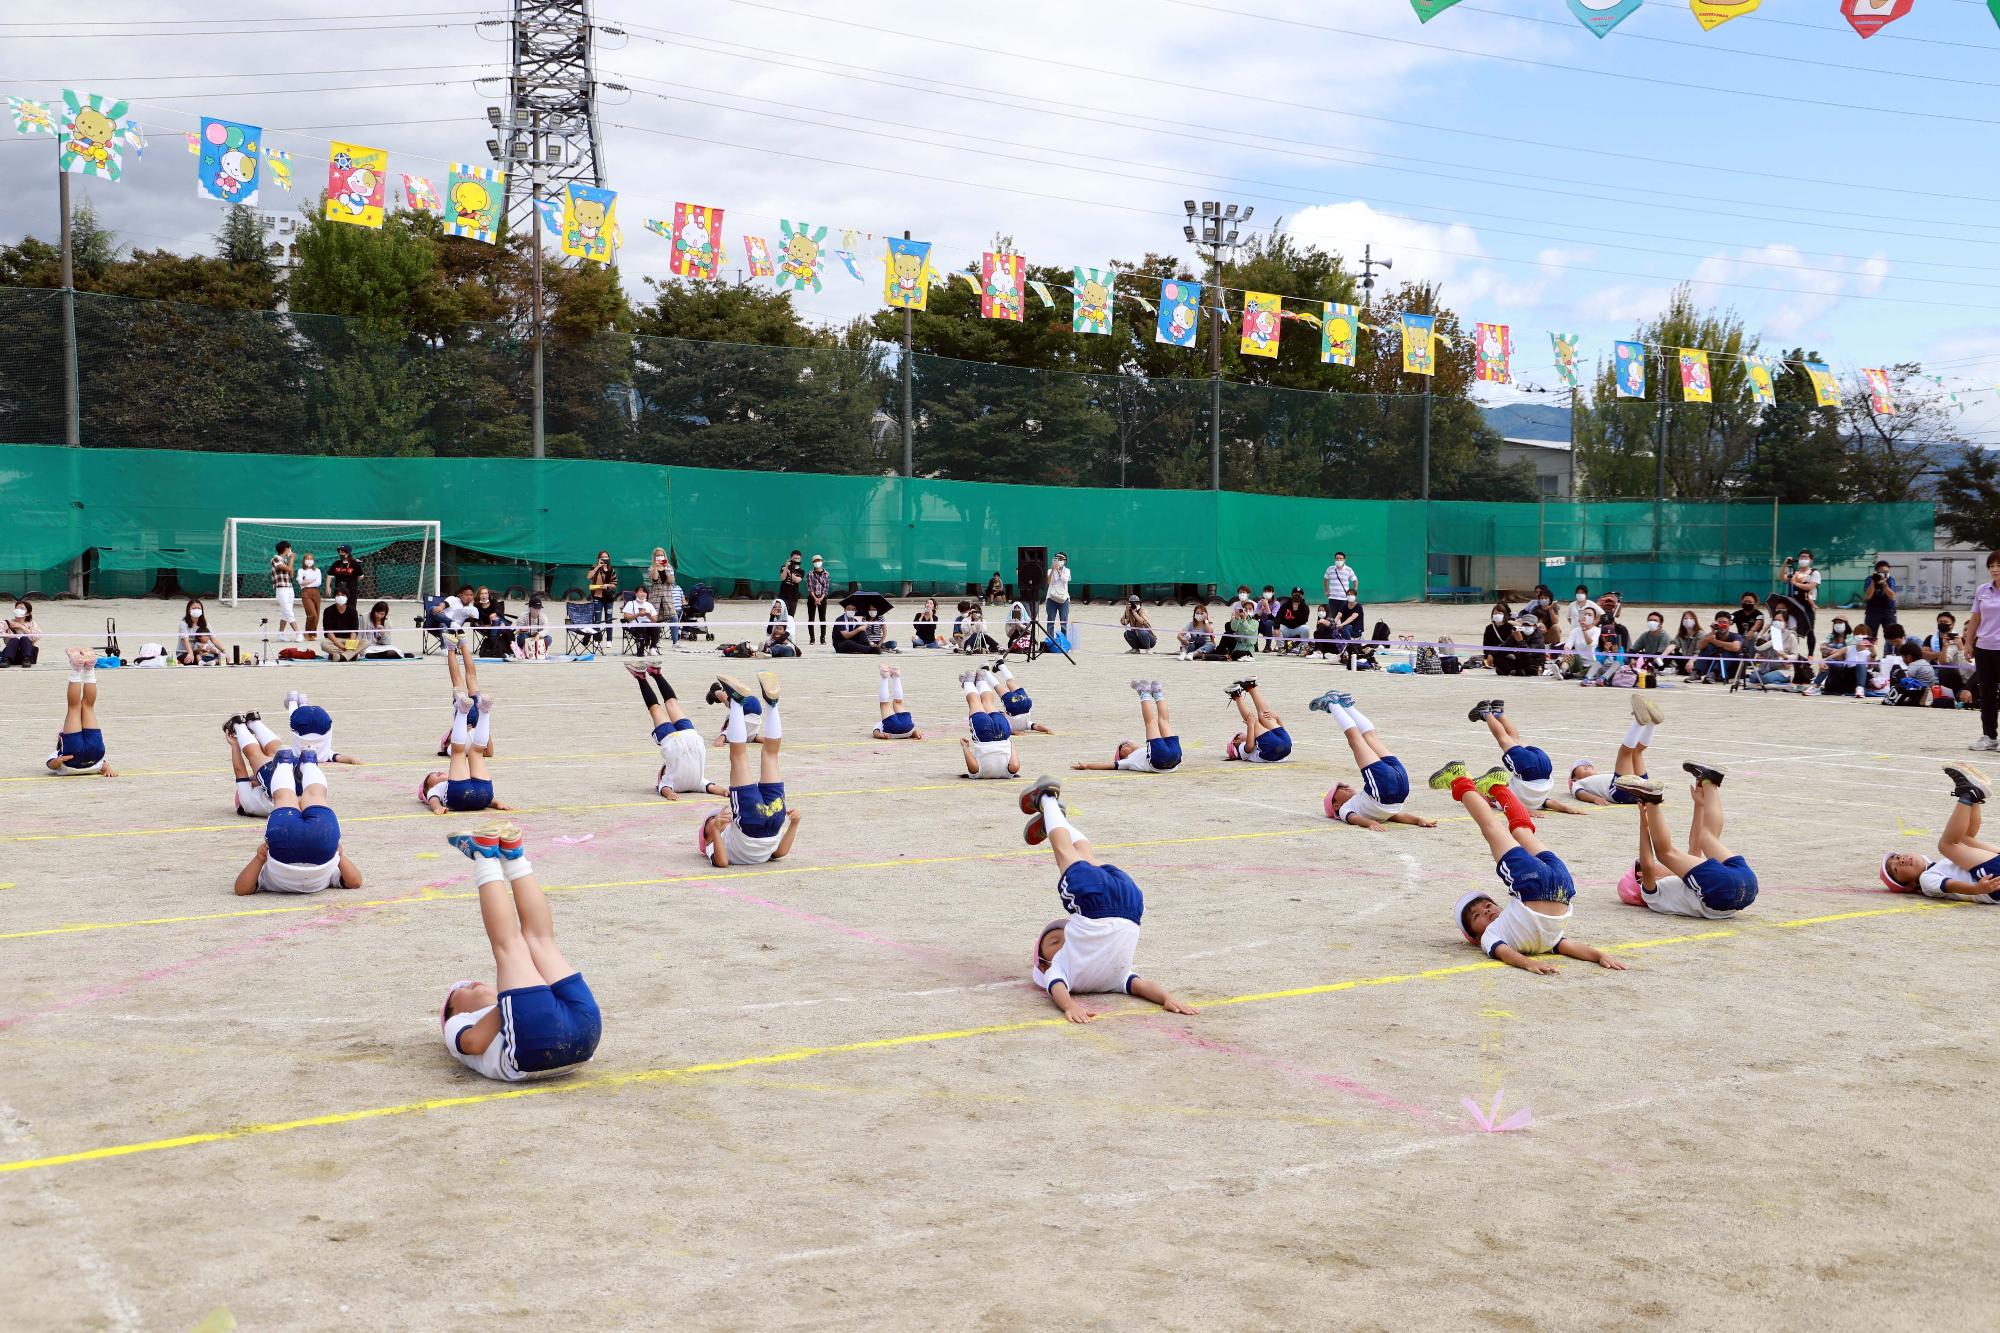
x=666 y=729
x=1274 y=744
x=1165 y=752
x=264 y=775
x=1016 y=702
x=1100 y=891
x=1991 y=868
x=553 y=1026
x=759 y=808
x=308 y=837
x=1619 y=796
x=467 y=794
x=1386 y=781
x=1539 y=878
x=84 y=748
x=898 y=724
x=1530 y=763
x=991 y=727
x=1729 y=886
x=753 y=706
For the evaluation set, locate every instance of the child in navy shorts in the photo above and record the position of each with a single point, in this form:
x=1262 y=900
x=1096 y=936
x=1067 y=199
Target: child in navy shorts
x=758 y=826
x=1160 y=752
x=1535 y=918
x=80 y=744
x=1019 y=707
x=896 y=724
x=1706 y=880
x=301 y=851
x=1628 y=779
x=1385 y=783
x=683 y=758
x=989 y=752
x=466 y=785
x=253 y=758
x=1968 y=870
x=1263 y=739
x=1528 y=769
x=753 y=713
x=1091 y=947
x=540 y=1018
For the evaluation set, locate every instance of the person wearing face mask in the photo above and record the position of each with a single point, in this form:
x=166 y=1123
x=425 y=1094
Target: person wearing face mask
x=791 y=578
x=346 y=573
x=819 y=586
x=340 y=630
x=1503 y=643
x=1340 y=581
x=19 y=636
x=1056 y=606
x=1653 y=645
x=309 y=580
x=1879 y=595
x=1579 y=604
x=1687 y=642
x=1943 y=650
x=196 y=645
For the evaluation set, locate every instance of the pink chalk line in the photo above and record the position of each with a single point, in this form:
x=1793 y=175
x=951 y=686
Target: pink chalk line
x=1286 y=1067
x=335 y=917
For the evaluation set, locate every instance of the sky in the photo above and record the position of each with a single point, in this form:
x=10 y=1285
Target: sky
x=1829 y=189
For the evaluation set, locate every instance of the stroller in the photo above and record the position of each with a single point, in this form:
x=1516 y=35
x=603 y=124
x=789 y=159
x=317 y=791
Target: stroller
x=694 y=613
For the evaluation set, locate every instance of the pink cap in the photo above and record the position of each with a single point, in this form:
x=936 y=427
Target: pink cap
x=1458 y=913
x=1629 y=891
x=1332 y=810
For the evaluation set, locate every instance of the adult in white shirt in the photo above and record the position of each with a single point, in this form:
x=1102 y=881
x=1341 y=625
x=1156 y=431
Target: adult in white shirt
x=1056 y=607
x=642 y=621
x=1340 y=581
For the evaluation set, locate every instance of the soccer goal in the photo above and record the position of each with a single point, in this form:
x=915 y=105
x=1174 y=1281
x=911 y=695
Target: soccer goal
x=400 y=561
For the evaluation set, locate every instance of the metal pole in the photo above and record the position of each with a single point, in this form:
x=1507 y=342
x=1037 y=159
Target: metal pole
x=1660 y=459
x=1215 y=374
x=1427 y=438
x=535 y=332
x=72 y=398
x=909 y=420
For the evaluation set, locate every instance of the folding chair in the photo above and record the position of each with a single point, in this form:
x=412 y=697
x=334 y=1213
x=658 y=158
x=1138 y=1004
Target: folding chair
x=694 y=613
x=583 y=633
x=431 y=621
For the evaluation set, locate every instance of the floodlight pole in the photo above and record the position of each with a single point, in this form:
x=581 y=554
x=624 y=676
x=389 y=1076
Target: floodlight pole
x=909 y=423
x=72 y=397
x=1218 y=233
x=535 y=328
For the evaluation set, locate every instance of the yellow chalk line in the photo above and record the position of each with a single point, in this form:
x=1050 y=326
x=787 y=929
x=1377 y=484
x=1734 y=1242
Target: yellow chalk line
x=644 y=1076
x=418 y=896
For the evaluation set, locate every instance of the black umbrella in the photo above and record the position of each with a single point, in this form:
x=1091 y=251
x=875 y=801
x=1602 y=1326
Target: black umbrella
x=868 y=603
x=1782 y=605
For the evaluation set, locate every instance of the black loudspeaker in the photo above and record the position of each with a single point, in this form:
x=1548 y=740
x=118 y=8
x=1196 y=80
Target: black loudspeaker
x=1031 y=573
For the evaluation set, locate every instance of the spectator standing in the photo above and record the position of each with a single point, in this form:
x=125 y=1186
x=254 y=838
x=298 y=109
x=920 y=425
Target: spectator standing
x=1981 y=641
x=283 y=592
x=310 y=578
x=1139 y=635
x=345 y=572
x=1340 y=581
x=819 y=586
x=791 y=577
x=659 y=574
x=603 y=581
x=341 y=629
x=670 y=601
x=1056 y=605
x=1878 y=597
x=18 y=638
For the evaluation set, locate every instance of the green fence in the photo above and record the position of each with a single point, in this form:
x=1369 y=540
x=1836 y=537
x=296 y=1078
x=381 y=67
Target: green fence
x=146 y=510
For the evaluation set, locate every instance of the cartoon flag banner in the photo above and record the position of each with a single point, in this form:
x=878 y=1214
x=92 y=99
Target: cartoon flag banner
x=1881 y=396
x=1177 y=319
x=1994 y=5
x=590 y=215
x=88 y=141
x=1493 y=353
x=1601 y=16
x=419 y=195
x=846 y=258
x=1419 y=354
x=280 y=164
x=697 y=241
x=549 y=208
x=1261 y=323
x=1826 y=389
x=1564 y=345
x=799 y=243
x=1041 y=289
x=129 y=131
x=1000 y=287
x=1695 y=384
x=1628 y=361
x=1712 y=14
x=1430 y=9
x=1093 y=292
x=32 y=117
x=1758 y=368
x=1869 y=17
x=194 y=144
x=473 y=196
x=906 y=275
x=356 y=179
x=759 y=254
x=229 y=157
x=1340 y=326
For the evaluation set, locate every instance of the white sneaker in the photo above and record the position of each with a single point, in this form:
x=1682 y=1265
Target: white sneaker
x=1984 y=743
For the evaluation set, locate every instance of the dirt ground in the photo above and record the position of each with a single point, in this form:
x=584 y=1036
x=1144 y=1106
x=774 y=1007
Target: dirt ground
x=827 y=1095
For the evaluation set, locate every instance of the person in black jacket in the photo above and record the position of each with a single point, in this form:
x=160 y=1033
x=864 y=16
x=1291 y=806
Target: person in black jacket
x=345 y=572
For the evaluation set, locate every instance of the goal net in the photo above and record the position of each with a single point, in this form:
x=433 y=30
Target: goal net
x=400 y=561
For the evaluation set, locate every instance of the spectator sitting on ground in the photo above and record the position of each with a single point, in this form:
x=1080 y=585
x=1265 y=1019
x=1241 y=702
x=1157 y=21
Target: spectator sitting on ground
x=850 y=632
x=1294 y=623
x=1914 y=683
x=1610 y=656
x=1347 y=622
x=975 y=641
x=1326 y=640
x=340 y=630
x=878 y=633
x=1946 y=651
x=1608 y=607
x=1199 y=636
x=1267 y=617
x=924 y=625
x=1018 y=628
x=19 y=636
x=377 y=639
x=1650 y=650
x=1579 y=646
x=196 y=644
x=1241 y=640
x=1844 y=668
x=780 y=632
x=1749 y=618
x=1139 y=635
x=1718 y=652
x=1502 y=642
x=642 y=621
x=1687 y=642
x=996 y=589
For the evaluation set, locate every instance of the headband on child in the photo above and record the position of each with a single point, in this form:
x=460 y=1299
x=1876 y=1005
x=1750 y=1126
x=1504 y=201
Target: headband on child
x=1894 y=885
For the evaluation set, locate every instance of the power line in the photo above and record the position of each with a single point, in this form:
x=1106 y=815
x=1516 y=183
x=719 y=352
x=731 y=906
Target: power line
x=121 y=79
x=244 y=18
x=228 y=32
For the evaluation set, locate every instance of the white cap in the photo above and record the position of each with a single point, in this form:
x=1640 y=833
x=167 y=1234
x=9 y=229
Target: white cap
x=1458 y=913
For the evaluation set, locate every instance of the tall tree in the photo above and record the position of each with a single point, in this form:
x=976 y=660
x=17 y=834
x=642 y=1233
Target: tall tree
x=1969 y=499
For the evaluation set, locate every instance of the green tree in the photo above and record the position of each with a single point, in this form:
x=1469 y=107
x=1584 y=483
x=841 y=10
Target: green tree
x=1968 y=504
x=1892 y=453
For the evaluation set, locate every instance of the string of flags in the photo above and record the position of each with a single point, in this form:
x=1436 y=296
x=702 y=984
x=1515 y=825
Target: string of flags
x=92 y=135
x=1600 y=17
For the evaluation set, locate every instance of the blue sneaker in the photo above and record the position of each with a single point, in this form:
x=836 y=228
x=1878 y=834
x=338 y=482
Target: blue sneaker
x=1327 y=702
x=481 y=842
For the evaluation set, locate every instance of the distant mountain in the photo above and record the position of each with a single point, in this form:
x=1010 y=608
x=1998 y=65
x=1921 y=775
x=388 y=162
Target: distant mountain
x=1529 y=421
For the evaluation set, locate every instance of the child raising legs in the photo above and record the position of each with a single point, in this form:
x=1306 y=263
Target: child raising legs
x=1706 y=880
x=1385 y=783
x=1968 y=869
x=1160 y=752
x=80 y=744
x=466 y=785
x=896 y=724
x=1526 y=767
x=1263 y=739
x=758 y=826
x=683 y=758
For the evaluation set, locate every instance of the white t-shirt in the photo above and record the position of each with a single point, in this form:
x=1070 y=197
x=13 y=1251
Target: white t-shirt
x=309 y=576
x=747 y=851
x=1672 y=895
x=276 y=876
x=686 y=762
x=1931 y=883
x=993 y=757
x=1340 y=580
x=1526 y=930
x=1535 y=794
x=1096 y=955
x=252 y=799
x=65 y=771
x=640 y=609
x=1059 y=583
x=1140 y=761
x=497 y=1060
x=458 y=612
x=1597 y=784
x=1361 y=803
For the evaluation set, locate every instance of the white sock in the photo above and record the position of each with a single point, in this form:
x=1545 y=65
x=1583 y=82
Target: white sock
x=264 y=735
x=1053 y=817
x=773 y=729
x=1646 y=734
x=516 y=868
x=89 y=676
x=1007 y=675
x=972 y=697
x=736 y=729
x=1635 y=735
x=483 y=733
x=882 y=690
x=1341 y=717
x=283 y=778
x=486 y=870
x=244 y=738
x=310 y=775
x=76 y=675
x=896 y=688
x=1360 y=722
x=458 y=736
